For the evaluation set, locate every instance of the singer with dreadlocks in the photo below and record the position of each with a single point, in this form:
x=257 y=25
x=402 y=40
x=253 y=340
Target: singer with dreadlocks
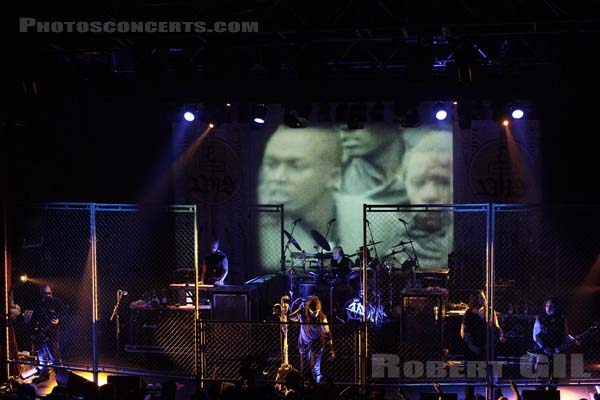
x=314 y=336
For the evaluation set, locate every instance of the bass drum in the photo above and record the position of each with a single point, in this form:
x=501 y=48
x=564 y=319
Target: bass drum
x=354 y=312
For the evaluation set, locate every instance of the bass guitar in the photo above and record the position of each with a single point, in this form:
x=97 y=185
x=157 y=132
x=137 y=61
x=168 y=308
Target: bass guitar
x=593 y=329
x=40 y=334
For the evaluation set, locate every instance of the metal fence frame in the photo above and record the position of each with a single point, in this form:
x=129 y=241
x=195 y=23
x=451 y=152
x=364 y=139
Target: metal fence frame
x=491 y=212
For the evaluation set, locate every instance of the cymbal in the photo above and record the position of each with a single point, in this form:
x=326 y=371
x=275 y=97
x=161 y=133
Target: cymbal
x=374 y=243
x=323 y=256
x=403 y=243
x=393 y=253
x=320 y=239
x=292 y=240
x=302 y=255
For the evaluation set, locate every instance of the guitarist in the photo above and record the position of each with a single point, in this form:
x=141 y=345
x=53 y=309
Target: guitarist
x=45 y=321
x=550 y=333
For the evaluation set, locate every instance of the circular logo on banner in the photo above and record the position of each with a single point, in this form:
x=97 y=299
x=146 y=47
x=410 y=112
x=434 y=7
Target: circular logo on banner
x=215 y=174
x=496 y=176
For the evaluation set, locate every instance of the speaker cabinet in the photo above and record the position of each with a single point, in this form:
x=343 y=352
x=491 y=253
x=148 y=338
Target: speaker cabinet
x=163 y=328
x=74 y=383
x=422 y=325
x=235 y=305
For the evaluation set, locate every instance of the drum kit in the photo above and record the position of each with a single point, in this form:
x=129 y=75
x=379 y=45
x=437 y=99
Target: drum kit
x=342 y=297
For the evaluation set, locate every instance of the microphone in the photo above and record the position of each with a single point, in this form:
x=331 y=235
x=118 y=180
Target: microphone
x=298 y=220
x=122 y=292
x=401 y=220
x=331 y=222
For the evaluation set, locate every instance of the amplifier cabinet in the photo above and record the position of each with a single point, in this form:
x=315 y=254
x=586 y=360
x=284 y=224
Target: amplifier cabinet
x=235 y=303
x=422 y=325
x=163 y=328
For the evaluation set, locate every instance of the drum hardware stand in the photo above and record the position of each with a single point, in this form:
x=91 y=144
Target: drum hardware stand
x=415 y=258
x=115 y=316
x=291 y=240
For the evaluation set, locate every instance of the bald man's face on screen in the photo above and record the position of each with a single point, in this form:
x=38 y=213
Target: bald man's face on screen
x=299 y=166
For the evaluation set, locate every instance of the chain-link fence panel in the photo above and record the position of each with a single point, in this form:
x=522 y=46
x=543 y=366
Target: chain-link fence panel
x=50 y=256
x=423 y=263
x=541 y=252
x=146 y=263
x=265 y=245
x=231 y=347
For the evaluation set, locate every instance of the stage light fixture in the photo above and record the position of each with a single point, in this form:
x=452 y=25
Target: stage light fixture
x=216 y=113
x=297 y=116
x=292 y=120
x=517 y=113
x=440 y=111
x=505 y=122
x=406 y=112
x=516 y=109
x=189 y=116
x=259 y=113
x=23 y=278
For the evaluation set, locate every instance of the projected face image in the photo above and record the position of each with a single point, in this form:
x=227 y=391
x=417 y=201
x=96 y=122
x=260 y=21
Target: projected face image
x=323 y=175
x=297 y=168
x=428 y=177
x=363 y=142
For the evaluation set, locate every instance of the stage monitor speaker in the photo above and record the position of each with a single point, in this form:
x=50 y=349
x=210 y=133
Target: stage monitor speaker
x=230 y=307
x=126 y=386
x=541 y=394
x=74 y=383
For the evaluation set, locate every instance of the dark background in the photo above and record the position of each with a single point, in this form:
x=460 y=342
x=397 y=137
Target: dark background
x=75 y=130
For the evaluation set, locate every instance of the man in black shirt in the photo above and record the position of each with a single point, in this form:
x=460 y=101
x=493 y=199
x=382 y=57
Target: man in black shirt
x=473 y=328
x=550 y=333
x=215 y=266
x=45 y=321
x=341 y=265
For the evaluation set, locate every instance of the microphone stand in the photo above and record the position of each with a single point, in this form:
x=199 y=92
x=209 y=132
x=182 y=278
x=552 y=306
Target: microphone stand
x=417 y=264
x=328 y=228
x=287 y=245
x=115 y=316
x=291 y=274
x=375 y=272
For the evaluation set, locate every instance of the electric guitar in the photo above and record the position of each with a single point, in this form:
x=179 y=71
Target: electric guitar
x=41 y=334
x=537 y=351
x=285 y=367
